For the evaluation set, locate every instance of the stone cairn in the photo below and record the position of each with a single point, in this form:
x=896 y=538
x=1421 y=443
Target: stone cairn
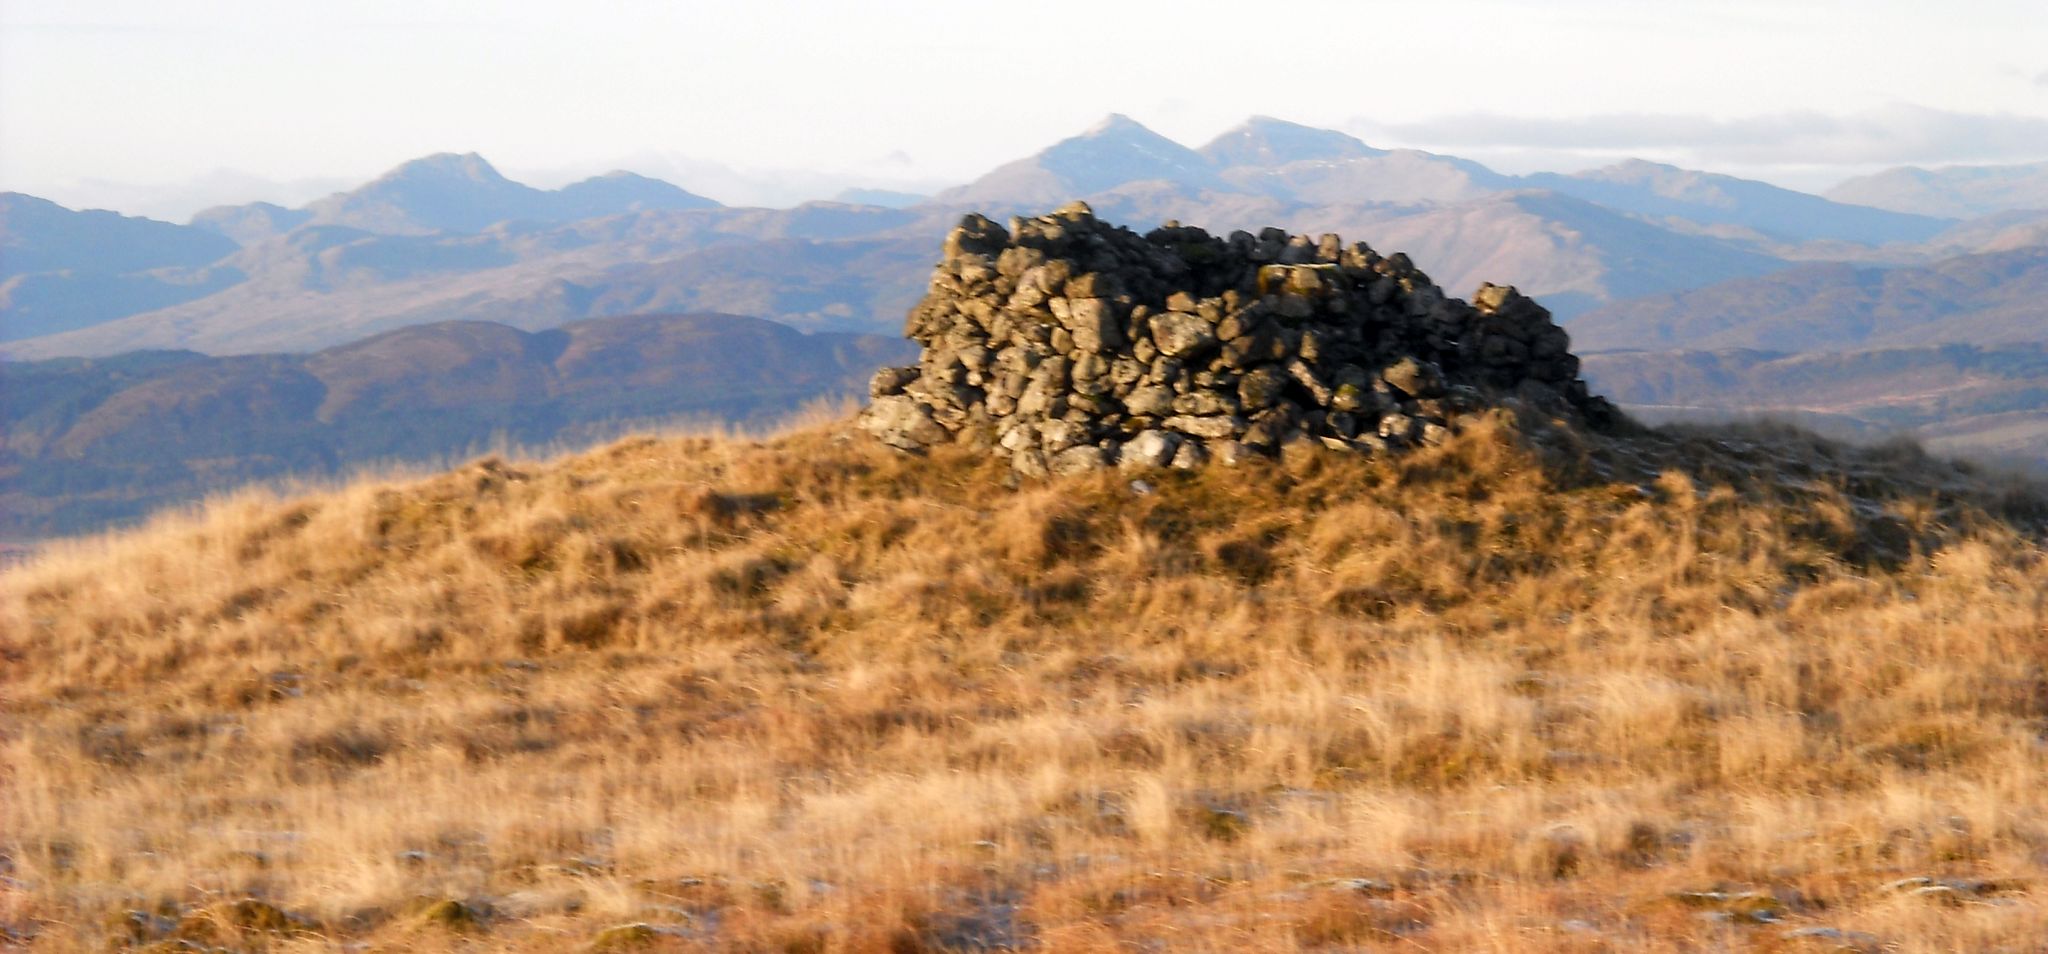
x=1066 y=344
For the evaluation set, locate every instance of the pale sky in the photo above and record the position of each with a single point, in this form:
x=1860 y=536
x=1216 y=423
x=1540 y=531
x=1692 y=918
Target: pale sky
x=154 y=105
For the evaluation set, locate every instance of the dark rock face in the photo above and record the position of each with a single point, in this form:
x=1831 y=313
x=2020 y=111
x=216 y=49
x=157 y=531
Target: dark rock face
x=1066 y=344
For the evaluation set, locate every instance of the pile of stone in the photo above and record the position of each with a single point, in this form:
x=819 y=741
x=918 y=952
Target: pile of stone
x=1067 y=344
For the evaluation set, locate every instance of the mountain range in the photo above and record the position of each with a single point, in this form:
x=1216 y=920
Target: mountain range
x=452 y=193
x=449 y=238
x=86 y=442
x=1958 y=192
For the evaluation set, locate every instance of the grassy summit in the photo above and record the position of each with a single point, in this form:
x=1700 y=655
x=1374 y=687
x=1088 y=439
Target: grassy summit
x=1528 y=690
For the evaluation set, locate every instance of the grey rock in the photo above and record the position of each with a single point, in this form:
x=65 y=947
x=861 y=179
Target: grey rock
x=890 y=381
x=1397 y=427
x=1181 y=334
x=1300 y=371
x=1042 y=398
x=1413 y=378
x=1342 y=423
x=1093 y=324
x=1205 y=403
x=1094 y=285
x=1029 y=461
x=1090 y=375
x=1152 y=401
x=1210 y=428
x=900 y=422
x=1150 y=449
x=1077 y=460
x=1260 y=388
x=1057 y=436
x=1020 y=435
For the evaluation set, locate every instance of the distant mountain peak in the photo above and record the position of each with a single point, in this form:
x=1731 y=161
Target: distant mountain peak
x=1116 y=123
x=447 y=165
x=1635 y=168
x=1267 y=141
x=1114 y=152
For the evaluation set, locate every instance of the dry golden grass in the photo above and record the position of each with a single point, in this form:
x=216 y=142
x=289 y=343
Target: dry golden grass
x=1685 y=691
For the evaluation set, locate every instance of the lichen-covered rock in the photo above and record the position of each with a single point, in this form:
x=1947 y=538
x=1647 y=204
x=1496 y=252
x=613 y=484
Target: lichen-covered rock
x=1065 y=344
x=1181 y=334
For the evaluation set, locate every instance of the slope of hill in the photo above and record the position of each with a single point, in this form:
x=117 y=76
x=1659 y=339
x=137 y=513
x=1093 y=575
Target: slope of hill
x=323 y=285
x=37 y=235
x=1662 y=191
x=62 y=269
x=1983 y=403
x=1399 y=176
x=52 y=303
x=1975 y=299
x=1951 y=191
x=1573 y=253
x=86 y=443
x=251 y=223
x=1524 y=691
x=1998 y=232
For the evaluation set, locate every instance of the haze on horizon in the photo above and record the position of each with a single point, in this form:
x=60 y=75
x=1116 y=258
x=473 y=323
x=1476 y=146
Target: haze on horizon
x=163 y=107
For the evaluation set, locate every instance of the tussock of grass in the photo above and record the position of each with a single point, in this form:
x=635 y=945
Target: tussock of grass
x=1527 y=691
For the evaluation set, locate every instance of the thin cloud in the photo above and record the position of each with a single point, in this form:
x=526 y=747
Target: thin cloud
x=1894 y=135
x=2041 y=78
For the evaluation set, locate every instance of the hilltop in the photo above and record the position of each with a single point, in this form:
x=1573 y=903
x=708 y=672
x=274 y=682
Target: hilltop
x=1731 y=686
x=1541 y=680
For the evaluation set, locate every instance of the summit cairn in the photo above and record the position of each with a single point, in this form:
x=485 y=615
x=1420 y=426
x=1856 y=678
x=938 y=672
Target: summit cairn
x=1066 y=344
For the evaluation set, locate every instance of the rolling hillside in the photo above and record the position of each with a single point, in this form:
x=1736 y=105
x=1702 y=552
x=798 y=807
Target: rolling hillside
x=86 y=443
x=1986 y=403
x=1988 y=299
x=324 y=285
